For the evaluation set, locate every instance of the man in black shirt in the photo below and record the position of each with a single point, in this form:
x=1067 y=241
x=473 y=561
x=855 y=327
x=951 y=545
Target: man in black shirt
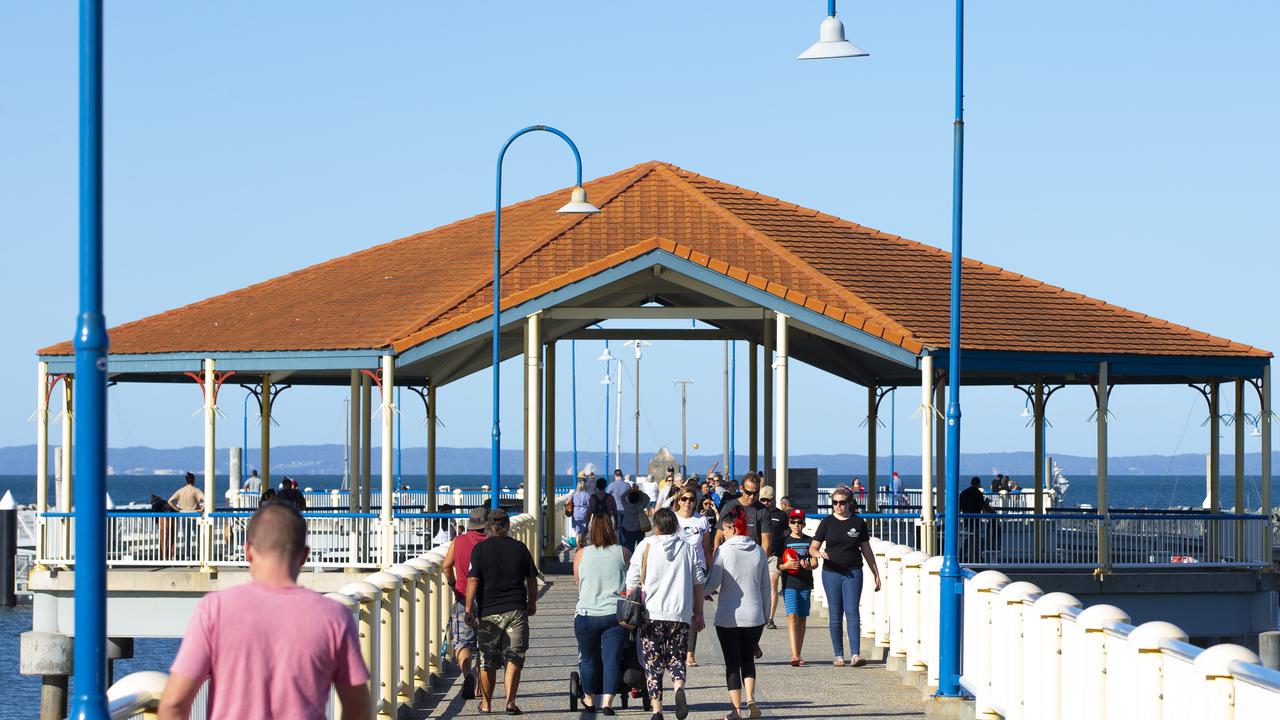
x=777 y=530
x=973 y=502
x=757 y=515
x=502 y=593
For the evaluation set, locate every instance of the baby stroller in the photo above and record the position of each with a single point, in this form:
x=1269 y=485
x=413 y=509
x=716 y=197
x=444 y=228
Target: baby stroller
x=630 y=682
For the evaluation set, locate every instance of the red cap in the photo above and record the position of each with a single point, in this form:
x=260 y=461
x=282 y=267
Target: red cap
x=796 y=513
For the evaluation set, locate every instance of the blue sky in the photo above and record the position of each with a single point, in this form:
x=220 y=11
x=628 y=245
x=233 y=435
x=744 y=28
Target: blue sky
x=1123 y=150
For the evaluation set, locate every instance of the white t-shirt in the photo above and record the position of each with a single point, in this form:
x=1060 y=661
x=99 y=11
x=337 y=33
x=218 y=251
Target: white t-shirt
x=692 y=530
x=648 y=487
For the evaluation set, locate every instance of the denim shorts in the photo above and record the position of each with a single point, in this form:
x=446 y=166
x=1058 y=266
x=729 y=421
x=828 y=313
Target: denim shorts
x=461 y=635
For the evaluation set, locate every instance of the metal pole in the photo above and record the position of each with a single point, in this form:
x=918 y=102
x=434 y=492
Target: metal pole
x=684 y=396
x=1215 y=451
x=432 y=488
x=950 y=627
x=872 y=445
x=533 y=423
x=548 y=498
x=353 y=440
x=604 y=467
x=1239 y=458
x=1264 y=419
x=264 y=432
x=617 y=435
x=637 y=455
x=1104 y=500
x=91 y=401
x=573 y=399
x=399 y=441
x=495 y=449
x=244 y=427
x=893 y=448
x=1038 y=431
x=781 y=484
x=753 y=409
x=766 y=450
x=726 y=405
x=366 y=444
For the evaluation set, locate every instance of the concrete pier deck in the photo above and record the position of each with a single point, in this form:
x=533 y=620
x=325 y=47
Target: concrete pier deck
x=817 y=690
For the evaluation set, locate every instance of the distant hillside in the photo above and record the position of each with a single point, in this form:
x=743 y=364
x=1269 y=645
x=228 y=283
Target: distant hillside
x=328 y=460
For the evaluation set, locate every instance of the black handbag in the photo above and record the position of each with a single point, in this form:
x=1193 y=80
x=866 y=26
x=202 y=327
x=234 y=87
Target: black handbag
x=632 y=614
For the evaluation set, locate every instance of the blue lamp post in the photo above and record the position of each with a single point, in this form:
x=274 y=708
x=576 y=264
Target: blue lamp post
x=577 y=204
x=90 y=701
x=832 y=44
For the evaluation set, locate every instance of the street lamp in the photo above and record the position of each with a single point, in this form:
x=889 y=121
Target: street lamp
x=832 y=44
x=577 y=204
x=607 y=357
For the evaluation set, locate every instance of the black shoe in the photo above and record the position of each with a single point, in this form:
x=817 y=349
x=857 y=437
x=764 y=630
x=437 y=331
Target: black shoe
x=771 y=626
x=607 y=711
x=468 y=687
x=682 y=705
x=656 y=716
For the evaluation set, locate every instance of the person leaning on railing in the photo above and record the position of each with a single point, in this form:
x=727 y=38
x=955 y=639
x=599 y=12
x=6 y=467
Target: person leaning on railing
x=269 y=648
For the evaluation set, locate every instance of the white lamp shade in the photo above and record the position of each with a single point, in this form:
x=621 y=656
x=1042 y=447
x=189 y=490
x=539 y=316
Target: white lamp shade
x=831 y=43
x=606 y=380
x=579 y=204
x=606 y=355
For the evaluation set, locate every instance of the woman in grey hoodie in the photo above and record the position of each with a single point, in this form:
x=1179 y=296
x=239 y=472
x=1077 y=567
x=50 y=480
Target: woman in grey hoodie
x=664 y=567
x=740 y=572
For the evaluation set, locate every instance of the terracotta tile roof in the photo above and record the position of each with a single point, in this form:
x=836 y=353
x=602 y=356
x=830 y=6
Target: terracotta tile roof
x=410 y=290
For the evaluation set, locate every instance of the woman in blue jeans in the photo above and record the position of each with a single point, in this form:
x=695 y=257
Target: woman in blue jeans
x=600 y=570
x=847 y=543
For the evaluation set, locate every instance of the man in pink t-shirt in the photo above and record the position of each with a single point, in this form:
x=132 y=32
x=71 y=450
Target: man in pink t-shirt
x=271 y=648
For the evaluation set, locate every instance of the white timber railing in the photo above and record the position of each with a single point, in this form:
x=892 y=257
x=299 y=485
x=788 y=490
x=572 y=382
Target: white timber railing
x=402 y=613
x=1034 y=655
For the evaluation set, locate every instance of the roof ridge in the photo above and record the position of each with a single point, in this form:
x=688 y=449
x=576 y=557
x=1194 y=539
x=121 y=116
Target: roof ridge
x=640 y=171
x=869 y=311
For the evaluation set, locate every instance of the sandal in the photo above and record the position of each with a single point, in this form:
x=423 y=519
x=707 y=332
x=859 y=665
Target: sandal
x=480 y=707
x=857 y=661
x=514 y=710
x=800 y=662
x=838 y=662
x=759 y=652
x=753 y=710
x=795 y=662
x=732 y=715
x=691 y=662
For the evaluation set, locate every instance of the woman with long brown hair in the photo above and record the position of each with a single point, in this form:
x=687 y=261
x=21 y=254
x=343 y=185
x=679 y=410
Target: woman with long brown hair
x=600 y=569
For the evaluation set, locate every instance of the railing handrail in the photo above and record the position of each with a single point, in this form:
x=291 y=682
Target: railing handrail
x=431 y=516
x=1259 y=675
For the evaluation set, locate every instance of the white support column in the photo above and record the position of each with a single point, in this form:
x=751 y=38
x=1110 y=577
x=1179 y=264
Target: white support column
x=42 y=452
x=366 y=443
x=235 y=475
x=766 y=397
x=265 y=453
x=533 y=421
x=1104 y=503
x=431 y=445
x=780 y=454
x=210 y=449
x=926 y=453
x=386 y=517
x=353 y=445
x=753 y=409
x=548 y=484
x=1264 y=419
x=68 y=432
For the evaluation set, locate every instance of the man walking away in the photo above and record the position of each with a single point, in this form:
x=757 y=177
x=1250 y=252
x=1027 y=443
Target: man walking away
x=502 y=594
x=618 y=488
x=270 y=648
x=457 y=564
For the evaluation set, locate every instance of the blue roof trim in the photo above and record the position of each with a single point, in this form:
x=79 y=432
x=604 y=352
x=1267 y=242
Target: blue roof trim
x=1172 y=366
x=163 y=363
x=749 y=293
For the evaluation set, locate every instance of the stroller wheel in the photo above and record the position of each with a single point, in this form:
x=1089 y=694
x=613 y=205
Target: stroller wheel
x=575 y=691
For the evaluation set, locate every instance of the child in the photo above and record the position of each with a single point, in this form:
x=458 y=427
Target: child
x=797 y=582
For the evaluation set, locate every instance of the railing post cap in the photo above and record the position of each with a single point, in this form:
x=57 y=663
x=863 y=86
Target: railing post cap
x=422 y=563
x=1149 y=635
x=1020 y=591
x=361 y=589
x=383 y=580
x=989 y=580
x=1216 y=661
x=1055 y=603
x=879 y=546
x=350 y=602
x=1097 y=617
x=436 y=555
x=896 y=552
x=146 y=682
x=915 y=558
x=933 y=565
x=404 y=571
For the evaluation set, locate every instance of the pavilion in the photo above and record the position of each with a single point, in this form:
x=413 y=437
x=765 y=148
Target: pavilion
x=864 y=305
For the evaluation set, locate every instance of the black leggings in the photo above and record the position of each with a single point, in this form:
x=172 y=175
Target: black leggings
x=738 y=645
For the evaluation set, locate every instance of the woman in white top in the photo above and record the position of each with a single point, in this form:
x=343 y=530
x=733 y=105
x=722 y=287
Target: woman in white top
x=695 y=530
x=665 y=568
x=740 y=572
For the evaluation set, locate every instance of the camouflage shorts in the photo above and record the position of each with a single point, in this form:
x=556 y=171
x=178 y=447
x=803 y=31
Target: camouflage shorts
x=503 y=638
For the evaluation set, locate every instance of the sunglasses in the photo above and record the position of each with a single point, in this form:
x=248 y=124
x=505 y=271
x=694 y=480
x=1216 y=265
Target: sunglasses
x=686 y=498
x=797 y=522
x=748 y=492
x=839 y=502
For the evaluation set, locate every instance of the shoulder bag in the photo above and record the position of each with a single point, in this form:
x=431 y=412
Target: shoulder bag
x=632 y=613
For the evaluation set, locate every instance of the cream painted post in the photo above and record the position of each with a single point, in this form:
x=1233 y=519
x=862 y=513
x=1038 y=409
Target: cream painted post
x=1011 y=690
x=353 y=445
x=366 y=443
x=210 y=449
x=1050 y=609
x=979 y=639
x=926 y=454
x=407 y=632
x=1264 y=419
x=388 y=631
x=766 y=397
x=1094 y=620
x=1214 y=665
x=866 y=604
x=753 y=416
x=431 y=445
x=353 y=606
x=370 y=598
x=443 y=608
x=1215 y=472
x=780 y=455
x=1147 y=700
x=42 y=453
x=264 y=401
x=1038 y=443
x=932 y=576
x=387 y=506
x=893 y=604
x=913 y=623
x=940 y=457
x=872 y=485
x=880 y=550
x=533 y=421
x=422 y=619
x=547 y=495
x=1104 y=503
x=68 y=433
